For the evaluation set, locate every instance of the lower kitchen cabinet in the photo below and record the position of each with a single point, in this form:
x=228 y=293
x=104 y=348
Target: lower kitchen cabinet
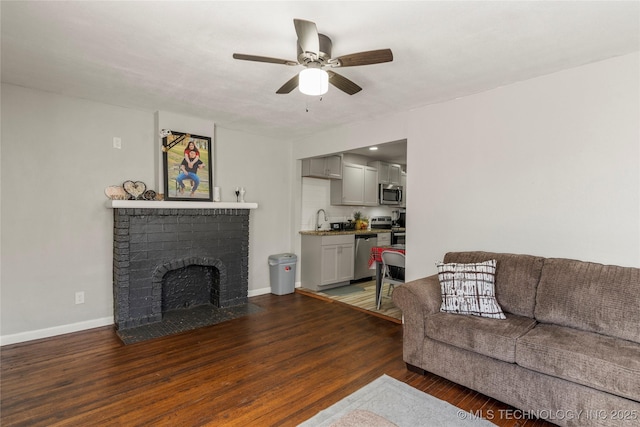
x=327 y=261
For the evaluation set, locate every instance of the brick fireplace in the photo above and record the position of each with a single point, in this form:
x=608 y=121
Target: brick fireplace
x=165 y=259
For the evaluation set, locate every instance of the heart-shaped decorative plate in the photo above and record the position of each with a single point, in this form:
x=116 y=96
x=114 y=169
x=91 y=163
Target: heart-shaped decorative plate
x=134 y=189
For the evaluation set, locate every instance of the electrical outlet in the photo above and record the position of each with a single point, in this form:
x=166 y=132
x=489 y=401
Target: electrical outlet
x=117 y=142
x=80 y=297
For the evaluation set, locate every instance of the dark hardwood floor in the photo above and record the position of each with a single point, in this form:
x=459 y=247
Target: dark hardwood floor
x=278 y=367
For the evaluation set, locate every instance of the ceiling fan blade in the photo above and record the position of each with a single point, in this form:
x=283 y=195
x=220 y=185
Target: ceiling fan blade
x=308 y=38
x=288 y=86
x=255 y=58
x=343 y=83
x=363 y=58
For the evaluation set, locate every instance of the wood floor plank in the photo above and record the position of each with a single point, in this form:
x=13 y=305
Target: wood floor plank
x=278 y=367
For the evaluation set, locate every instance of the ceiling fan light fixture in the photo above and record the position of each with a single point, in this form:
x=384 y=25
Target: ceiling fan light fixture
x=313 y=81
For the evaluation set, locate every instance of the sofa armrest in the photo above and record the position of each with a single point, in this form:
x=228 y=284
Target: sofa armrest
x=417 y=299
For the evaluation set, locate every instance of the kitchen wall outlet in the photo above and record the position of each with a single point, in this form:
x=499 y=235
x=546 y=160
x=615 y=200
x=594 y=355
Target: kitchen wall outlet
x=80 y=297
x=117 y=142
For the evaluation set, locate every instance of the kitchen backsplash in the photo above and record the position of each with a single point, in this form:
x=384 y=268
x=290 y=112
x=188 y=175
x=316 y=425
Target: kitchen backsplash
x=316 y=194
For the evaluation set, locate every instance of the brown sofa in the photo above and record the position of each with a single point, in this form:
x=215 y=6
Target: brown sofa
x=568 y=351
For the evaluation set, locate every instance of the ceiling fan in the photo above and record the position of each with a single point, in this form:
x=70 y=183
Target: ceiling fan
x=314 y=53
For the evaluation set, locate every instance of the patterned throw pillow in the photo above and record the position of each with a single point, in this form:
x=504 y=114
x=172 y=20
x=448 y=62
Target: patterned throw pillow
x=469 y=289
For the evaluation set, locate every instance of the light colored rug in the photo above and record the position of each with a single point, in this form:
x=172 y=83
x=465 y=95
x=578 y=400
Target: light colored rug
x=388 y=402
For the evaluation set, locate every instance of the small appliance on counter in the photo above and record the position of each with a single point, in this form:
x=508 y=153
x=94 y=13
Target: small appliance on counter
x=349 y=225
x=336 y=226
x=399 y=217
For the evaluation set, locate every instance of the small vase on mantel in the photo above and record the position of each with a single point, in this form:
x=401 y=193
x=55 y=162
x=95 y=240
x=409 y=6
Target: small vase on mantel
x=242 y=195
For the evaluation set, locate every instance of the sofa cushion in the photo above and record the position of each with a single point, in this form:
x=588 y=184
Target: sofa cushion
x=517 y=278
x=597 y=361
x=490 y=337
x=469 y=289
x=593 y=297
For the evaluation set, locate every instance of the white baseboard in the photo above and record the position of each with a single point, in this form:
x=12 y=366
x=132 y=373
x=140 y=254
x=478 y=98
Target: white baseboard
x=256 y=292
x=81 y=326
x=56 y=330
x=262 y=291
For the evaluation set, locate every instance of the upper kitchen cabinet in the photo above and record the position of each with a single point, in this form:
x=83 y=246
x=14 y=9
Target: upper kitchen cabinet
x=329 y=167
x=370 y=186
x=388 y=173
x=358 y=186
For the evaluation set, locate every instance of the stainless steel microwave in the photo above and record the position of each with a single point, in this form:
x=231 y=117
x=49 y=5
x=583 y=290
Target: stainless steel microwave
x=390 y=194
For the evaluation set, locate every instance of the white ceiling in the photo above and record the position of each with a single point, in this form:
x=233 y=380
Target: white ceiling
x=177 y=56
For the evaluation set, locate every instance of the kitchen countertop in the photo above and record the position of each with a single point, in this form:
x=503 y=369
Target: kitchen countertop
x=342 y=232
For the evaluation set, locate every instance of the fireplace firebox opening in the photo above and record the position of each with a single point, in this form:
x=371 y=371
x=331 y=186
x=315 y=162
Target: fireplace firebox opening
x=190 y=286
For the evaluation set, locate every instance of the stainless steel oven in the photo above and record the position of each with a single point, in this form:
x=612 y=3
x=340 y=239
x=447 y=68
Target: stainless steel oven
x=397 y=237
x=390 y=194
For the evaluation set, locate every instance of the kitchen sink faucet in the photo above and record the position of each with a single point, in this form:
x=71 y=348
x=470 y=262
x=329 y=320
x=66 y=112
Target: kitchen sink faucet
x=318 y=226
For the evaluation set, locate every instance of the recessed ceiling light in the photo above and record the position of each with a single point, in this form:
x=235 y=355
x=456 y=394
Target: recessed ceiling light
x=373 y=148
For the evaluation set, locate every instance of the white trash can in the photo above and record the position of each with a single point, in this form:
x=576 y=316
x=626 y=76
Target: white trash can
x=282 y=272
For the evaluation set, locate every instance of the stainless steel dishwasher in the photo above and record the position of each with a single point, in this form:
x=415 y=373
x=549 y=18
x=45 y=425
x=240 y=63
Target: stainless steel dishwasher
x=364 y=243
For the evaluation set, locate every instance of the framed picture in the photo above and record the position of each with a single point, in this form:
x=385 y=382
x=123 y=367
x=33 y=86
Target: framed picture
x=188 y=167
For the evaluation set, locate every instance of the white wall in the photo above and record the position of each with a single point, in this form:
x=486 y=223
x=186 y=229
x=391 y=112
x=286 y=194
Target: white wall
x=262 y=166
x=550 y=167
x=57 y=158
x=352 y=136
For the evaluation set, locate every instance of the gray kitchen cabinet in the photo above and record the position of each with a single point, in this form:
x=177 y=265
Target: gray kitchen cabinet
x=327 y=261
x=350 y=187
x=358 y=186
x=388 y=173
x=323 y=167
x=370 y=190
x=395 y=173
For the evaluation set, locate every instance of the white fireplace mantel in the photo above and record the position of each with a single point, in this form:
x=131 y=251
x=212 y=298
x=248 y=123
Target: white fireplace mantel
x=146 y=204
